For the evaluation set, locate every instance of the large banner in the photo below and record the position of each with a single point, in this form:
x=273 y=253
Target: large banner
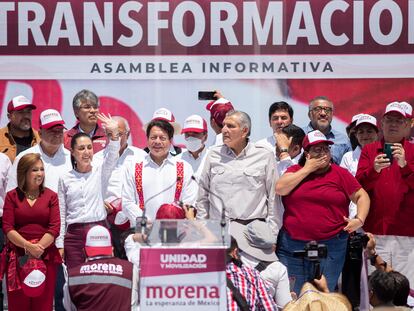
x=141 y=55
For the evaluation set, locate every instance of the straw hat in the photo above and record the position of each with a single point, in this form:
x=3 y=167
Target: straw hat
x=310 y=299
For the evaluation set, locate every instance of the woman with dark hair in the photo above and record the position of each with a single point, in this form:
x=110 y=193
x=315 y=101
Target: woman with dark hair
x=81 y=191
x=316 y=195
x=31 y=222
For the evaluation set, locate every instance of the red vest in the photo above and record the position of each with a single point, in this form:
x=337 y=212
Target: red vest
x=101 y=284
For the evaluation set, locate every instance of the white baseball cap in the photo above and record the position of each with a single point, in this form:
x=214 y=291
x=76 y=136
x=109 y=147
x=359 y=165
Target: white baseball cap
x=407 y=108
x=50 y=118
x=165 y=115
x=98 y=241
x=19 y=103
x=313 y=138
x=194 y=123
x=367 y=119
x=355 y=117
x=395 y=107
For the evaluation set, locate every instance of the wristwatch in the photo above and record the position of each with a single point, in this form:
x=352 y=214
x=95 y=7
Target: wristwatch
x=283 y=150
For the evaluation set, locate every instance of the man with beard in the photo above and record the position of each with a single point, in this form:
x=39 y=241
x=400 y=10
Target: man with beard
x=18 y=134
x=86 y=107
x=320 y=113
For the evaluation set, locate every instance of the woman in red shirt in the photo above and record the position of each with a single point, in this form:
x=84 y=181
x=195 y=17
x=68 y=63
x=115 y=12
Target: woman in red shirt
x=31 y=222
x=316 y=195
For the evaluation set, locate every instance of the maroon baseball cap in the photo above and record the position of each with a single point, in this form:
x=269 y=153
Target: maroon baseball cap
x=170 y=211
x=218 y=109
x=33 y=277
x=19 y=103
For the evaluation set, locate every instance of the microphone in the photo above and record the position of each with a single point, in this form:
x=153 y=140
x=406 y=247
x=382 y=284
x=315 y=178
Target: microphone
x=143 y=220
x=223 y=207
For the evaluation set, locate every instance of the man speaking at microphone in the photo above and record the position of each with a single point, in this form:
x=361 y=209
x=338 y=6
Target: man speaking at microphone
x=158 y=178
x=238 y=178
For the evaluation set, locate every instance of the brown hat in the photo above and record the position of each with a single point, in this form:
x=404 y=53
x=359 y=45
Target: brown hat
x=311 y=299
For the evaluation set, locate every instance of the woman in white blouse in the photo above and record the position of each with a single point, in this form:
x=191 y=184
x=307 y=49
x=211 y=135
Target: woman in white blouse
x=81 y=192
x=366 y=132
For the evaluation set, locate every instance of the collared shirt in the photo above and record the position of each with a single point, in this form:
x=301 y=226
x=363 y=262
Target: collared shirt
x=350 y=160
x=8 y=145
x=158 y=184
x=341 y=143
x=244 y=184
x=128 y=158
x=195 y=163
x=55 y=166
x=5 y=165
x=219 y=140
x=250 y=286
x=81 y=194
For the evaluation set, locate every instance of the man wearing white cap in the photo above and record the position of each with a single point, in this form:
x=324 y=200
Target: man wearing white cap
x=103 y=282
x=18 y=134
x=195 y=133
x=386 y=171
x=166 y=115
x=55 y=157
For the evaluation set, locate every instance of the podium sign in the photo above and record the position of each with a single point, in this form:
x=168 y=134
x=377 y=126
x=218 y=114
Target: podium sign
x=183 y=279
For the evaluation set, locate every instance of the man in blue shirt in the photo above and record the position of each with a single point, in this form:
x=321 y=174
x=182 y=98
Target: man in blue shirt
x=320 y=114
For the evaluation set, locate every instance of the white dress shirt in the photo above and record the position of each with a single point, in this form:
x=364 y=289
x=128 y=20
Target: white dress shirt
x=81 y=194
x=269 y=143
x=195 y=163
x=128 y=158
x=5 y=165
x=55 y=166
x=350 y=162
x=158 y=184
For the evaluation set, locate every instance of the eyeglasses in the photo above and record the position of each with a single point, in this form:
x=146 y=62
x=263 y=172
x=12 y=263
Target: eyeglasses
x=89 y=107
x=320 y=149
x=319 y=109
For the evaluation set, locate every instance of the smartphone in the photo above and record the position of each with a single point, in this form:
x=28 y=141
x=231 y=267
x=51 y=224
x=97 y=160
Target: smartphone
x=388 y=151
x=206 y=95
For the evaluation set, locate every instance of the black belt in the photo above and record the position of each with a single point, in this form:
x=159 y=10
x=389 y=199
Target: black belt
x=245 y=222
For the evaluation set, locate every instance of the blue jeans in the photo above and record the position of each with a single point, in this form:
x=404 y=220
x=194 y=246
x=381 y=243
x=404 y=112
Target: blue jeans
x=301 y=270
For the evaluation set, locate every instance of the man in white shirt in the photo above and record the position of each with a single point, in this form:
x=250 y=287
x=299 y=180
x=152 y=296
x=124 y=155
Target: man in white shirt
x=238 y=177
x=56 y=159
x=159 y=178
x=195 y=133
x=218 y=110
x=128 y=156
x=280 y=116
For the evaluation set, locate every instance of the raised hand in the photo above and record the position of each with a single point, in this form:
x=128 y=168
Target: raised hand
x=110 y=125
x=398 y=153
x=380 y=162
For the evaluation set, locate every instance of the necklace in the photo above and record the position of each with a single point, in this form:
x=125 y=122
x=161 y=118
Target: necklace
x=31 y=196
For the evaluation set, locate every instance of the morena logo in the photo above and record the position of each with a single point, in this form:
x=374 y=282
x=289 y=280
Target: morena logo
x=181 y=291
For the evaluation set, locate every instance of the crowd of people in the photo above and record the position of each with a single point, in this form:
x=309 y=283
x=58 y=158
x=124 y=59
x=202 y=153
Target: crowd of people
x=296 y=204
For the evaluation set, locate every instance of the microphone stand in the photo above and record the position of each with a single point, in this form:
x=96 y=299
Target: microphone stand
x=223 y=209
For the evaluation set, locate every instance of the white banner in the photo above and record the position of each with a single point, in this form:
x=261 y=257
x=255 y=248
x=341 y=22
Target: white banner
x=206 y=67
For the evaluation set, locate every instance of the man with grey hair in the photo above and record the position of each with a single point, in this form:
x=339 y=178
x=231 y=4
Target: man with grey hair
x=320 y=114
x=238 y=177
x=86 y=107
x=128 y=156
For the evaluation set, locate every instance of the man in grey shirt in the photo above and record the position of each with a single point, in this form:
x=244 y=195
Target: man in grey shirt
x=239 y=175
